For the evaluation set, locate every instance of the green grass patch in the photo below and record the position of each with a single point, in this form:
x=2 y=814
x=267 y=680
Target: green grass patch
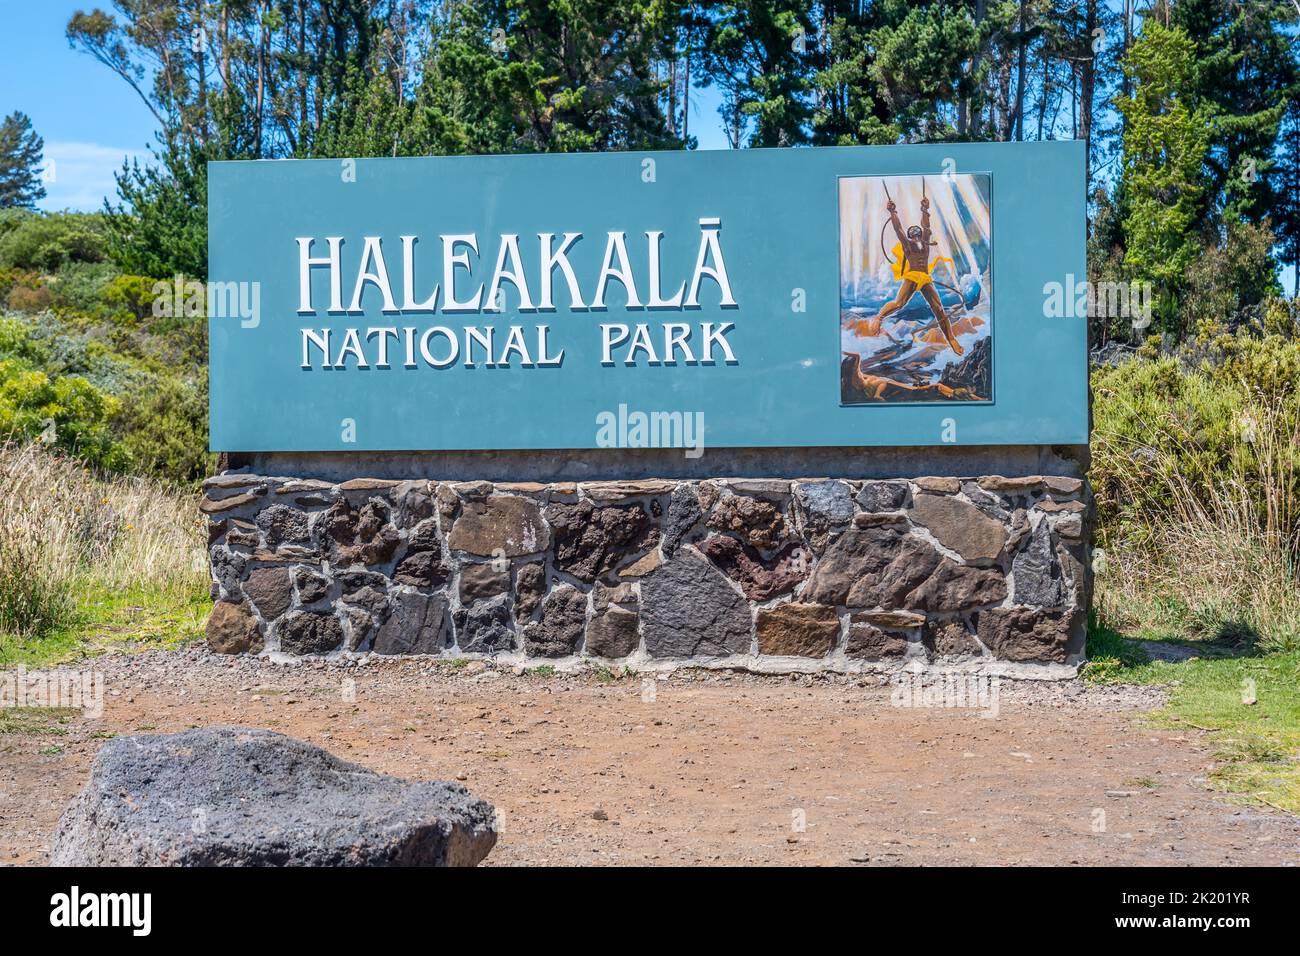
x=1112 y=658
x=1247 y=703
x=137 y=619
x=36 y=721
x=603 y=674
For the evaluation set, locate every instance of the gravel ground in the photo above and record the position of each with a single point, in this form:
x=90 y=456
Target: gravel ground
x=702 y=766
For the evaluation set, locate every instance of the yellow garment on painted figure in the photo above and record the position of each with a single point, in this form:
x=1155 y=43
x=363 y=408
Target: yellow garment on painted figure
x=921 y=279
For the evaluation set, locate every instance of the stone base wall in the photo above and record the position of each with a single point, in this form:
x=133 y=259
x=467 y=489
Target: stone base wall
x=771 y=574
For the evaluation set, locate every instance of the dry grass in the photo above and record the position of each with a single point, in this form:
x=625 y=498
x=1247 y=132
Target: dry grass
x=1222 y=557
x=65 y=532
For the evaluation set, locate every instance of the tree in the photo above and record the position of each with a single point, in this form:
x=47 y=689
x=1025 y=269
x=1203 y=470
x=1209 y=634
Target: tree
x=1247 y=72
x=161 y=227
x=1166 y=149
x=20 y=162
x=1288 y=188
x=893 y=71
x=756 y=53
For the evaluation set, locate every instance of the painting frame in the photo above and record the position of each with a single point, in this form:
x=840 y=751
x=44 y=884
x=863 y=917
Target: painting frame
x=987 y=291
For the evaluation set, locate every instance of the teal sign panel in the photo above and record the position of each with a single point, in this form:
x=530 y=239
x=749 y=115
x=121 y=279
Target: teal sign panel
x=901 y=295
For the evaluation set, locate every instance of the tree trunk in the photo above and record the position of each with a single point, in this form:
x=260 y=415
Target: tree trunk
x=1020 y=74
x=1042 y=98
x=199 y=39
x=261 y=79
x=302 y=70
x=968 y=118
x=1087 y=88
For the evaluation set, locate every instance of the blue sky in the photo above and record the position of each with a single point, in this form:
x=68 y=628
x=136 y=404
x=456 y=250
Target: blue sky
x=89 y=118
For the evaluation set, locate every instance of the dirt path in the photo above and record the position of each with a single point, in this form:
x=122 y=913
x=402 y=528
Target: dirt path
x=717 y=768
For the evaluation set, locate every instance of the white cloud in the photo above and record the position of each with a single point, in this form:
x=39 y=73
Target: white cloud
x=80 y=175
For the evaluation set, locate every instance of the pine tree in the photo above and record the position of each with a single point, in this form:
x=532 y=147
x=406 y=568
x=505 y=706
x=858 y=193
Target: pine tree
x=1165 y=151
x=1246 y=71
x=161 y=227
x=757 y=52
x=1286 y=214
x=20 y=162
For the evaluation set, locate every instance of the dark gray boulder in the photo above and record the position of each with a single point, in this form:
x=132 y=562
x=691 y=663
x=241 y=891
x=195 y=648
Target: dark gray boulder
x=564 y=613
x=689 y=610
x=486 y=627
x=419 y=624
x=1038 y=575
x=237 y=796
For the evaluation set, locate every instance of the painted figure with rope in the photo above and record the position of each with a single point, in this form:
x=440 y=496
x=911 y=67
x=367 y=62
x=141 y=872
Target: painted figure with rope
x=898 y=346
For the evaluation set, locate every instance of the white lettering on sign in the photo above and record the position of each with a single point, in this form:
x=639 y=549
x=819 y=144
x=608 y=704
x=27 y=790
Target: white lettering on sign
x=462 y=289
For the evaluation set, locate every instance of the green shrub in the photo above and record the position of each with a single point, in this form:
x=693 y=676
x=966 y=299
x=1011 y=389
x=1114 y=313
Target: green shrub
x=16 y=342
x=45 y=242
x=132 y=293
x=1166 y=433
x=81 y=286
x=164 y=429
x=1196 y=468
x=66 y=412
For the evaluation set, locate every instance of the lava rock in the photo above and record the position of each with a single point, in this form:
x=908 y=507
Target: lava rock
x=483 y=581
x=758 y=577
x=307 y=632
x=591 y=542
x=797 y=630
x=613 y=632
x=485 y=627
x=1039 y=578
x=826 y=503
x=683 y=513
x=870 y=567
x=558 y=631
x=235 y=796
x=913 y=562
x=365 y=589
x=422 y=569
x=311 y=586
x=363 y=535
x=233 y=629
x=950 y=639
x=877 y=496
x=954 y=587
x=281 y=524
x=270 y=590
x=414 y=502
x=228 y=570
x=418 y=624
x=1026 y=634
x=959 y=526
x=530 y=588
x=500 y=525
x=759 y=522
x=873 y=643
x=689 y=610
